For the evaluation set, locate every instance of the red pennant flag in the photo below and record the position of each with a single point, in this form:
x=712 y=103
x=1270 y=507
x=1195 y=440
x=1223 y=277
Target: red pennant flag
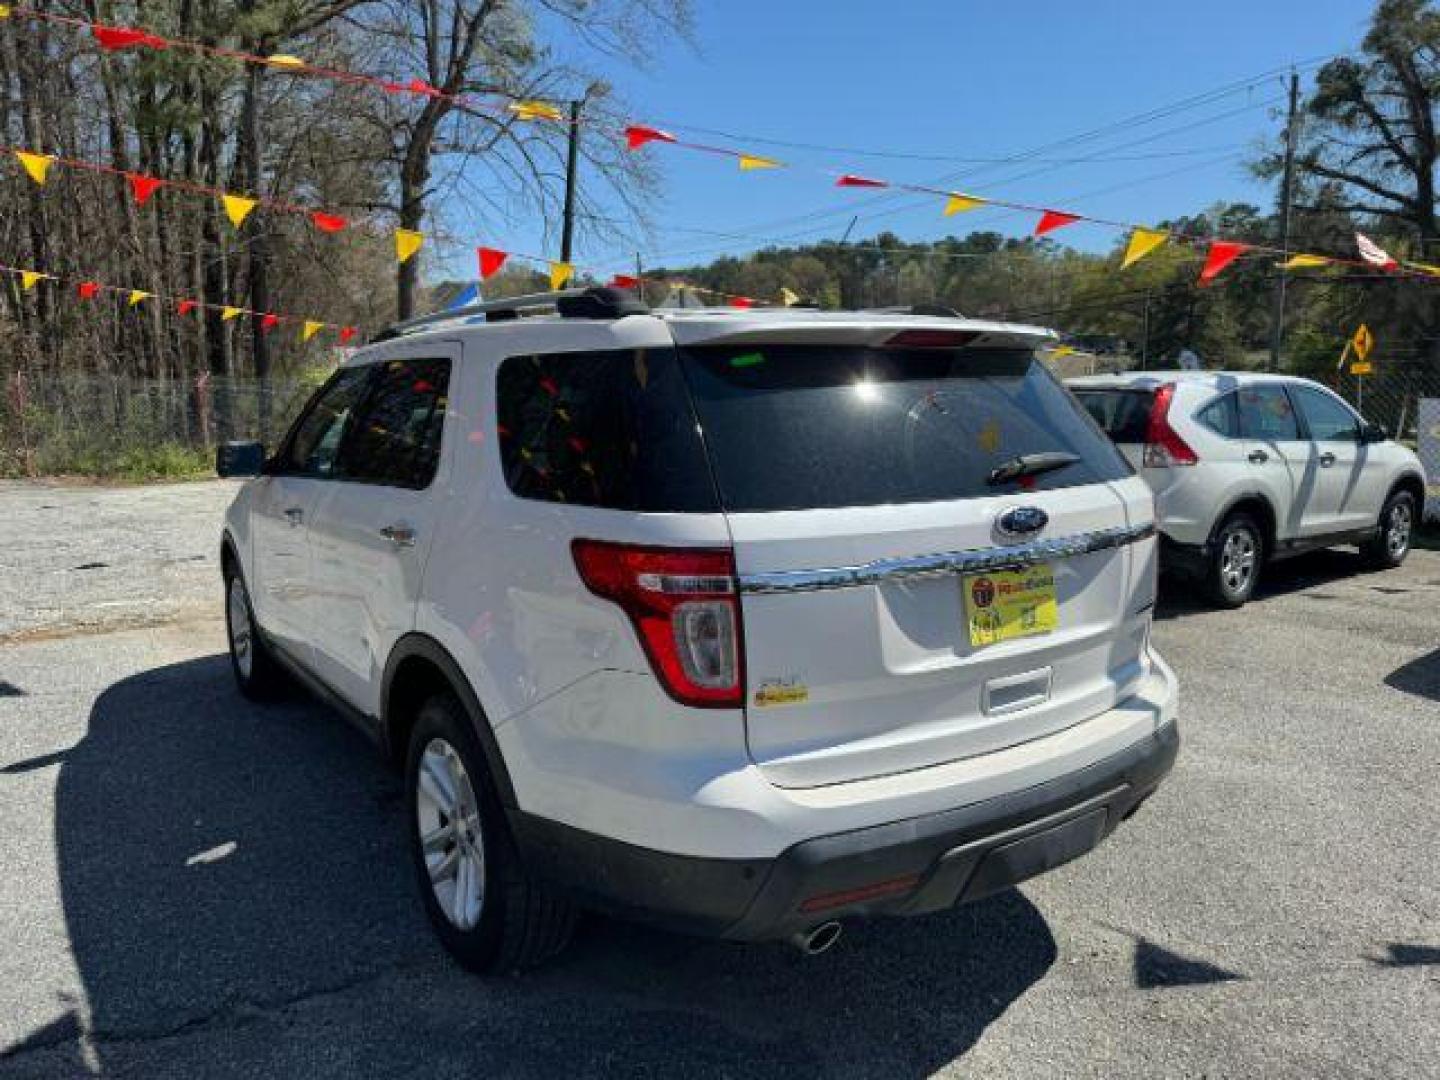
x=330 y=223
x=625 y=281
x=1051 y=220
x=114 y=38
x=346 y=333
x=741 y=302
x=268 y=322
x=491 y=259
x=637 y=135
x=142 y=187
x=420 y=86
x=184 y=307
x=1222 y=254
x=850 y=180
x=87 y=289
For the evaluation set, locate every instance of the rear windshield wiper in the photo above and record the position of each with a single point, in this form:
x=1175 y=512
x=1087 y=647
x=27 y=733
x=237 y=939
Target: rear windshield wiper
x=1031 y=465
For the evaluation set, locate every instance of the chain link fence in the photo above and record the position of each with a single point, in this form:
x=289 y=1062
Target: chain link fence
x=116 y=425
x=1390 y=397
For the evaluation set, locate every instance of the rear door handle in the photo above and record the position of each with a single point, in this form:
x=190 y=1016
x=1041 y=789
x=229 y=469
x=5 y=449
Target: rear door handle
x=1327 y=459
x=1258 y=457
x=295 y=515
x=399 y=535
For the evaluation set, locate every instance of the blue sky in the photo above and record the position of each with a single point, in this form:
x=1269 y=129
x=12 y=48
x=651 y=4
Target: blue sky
x=956 y=81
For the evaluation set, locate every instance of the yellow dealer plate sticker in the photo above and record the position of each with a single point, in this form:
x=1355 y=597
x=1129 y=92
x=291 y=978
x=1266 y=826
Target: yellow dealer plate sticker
x=1007 y=604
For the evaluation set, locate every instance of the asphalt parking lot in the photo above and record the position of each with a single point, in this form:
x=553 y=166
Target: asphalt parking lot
x=190 y=885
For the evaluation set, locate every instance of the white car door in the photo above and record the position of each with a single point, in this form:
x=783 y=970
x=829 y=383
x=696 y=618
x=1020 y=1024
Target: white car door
x=1351 y=483
x=1283 y=465
x=285 y=503
x=371 y=535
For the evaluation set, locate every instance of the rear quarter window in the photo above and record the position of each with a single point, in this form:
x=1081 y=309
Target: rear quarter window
x=1124 y=415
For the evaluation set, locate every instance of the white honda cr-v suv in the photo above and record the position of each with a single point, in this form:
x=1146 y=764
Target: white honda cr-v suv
x=1248 y=467
x=741 y=622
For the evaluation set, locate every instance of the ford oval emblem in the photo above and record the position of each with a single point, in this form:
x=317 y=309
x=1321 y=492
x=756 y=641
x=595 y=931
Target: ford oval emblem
x=1022 y=520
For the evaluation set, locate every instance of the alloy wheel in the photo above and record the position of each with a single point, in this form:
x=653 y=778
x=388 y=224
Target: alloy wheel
x=237 y=613
x=1397 y=530
x=1238 y=556
x=447 y=818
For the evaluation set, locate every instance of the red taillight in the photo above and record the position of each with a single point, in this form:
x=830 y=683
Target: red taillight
x=932 y=339
x=1163 y=445
x=685 y=605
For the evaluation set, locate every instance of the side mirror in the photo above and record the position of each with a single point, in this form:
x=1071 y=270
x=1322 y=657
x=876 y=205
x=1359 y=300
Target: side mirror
x=239 y=459
x=1373 y=433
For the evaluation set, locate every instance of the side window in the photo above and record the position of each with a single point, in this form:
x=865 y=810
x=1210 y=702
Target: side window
x=614 y=429
x=312 y=446
x=1266 y=413
x=1327 y=419
x=395 y=437
x=1221 y=416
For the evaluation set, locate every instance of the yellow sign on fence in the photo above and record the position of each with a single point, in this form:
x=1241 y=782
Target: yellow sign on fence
x=1361 y=368
x=1363 y=342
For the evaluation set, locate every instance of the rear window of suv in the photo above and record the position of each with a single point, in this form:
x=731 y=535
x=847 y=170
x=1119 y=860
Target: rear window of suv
x=1124 y=415
x=812 y=426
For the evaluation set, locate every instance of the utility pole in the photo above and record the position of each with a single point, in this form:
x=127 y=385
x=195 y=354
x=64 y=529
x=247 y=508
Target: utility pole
x=571 y=164
x=1287 y=197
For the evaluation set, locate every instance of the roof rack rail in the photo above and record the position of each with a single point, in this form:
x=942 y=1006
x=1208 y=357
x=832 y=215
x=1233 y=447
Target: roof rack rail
x=596 y=302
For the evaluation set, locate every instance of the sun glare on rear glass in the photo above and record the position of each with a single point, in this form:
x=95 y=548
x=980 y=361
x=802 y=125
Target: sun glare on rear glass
x=866 y=390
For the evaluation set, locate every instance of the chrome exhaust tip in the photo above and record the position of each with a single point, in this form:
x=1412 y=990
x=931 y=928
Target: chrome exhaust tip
x=817 y=939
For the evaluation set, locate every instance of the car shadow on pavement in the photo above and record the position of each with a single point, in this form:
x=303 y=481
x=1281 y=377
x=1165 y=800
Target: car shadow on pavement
x=1420 y=676
x=1307 y=574
x=228 y=869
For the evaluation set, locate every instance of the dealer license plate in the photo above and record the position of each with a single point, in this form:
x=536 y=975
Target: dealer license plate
x=1007 y=604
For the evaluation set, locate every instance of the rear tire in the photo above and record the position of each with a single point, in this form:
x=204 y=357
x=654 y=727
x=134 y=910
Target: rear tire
x=257 y=673
x=489 y=914
x=1394 y=533
x=1238 y=551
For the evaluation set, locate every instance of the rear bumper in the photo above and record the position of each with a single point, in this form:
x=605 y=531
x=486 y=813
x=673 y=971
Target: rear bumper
x=1190 y=560
x=907 y=867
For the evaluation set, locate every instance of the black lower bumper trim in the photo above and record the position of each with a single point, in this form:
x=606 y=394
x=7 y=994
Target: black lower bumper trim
x=926 y=864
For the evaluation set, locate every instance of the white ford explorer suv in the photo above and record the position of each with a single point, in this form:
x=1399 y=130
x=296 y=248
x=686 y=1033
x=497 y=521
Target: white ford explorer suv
x=1248 y=467
x=741 y=622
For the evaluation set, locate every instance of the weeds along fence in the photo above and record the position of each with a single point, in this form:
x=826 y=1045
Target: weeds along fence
x=117 y=425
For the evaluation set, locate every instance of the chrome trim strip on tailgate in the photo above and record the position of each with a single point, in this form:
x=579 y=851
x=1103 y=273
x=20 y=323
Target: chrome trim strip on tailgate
x=952 y=562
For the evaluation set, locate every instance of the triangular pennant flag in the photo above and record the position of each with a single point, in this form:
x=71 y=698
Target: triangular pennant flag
x=559 y=274
x=959 y=204
x=137 y=296
x=1304 y=262
x=238 y=207
x=4 y=11
x=184 y=307
x=112 y=38
x=625 y=281
x=420 y=86
x=310 y=329
x=1142 y=243
x=741 y=302
x=28 y=278
x=1050 y=220
x=87 y=289
x=142 y=187
x=491 y=260
x=851 y=180
x=637 y=135
x=1425 y=268
x=789 y=298
x=285 y=60
x=407 y=243
x=329 y=223
x=750 y=161
x=1373 y=253
x=36 y=165
x=536 y=110
x=268 y=322
x=346 y=333
x=1222 y=254
x=227 y=313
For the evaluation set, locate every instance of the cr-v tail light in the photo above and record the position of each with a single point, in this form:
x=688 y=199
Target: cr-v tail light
x=685 y=605
x=1163 y=445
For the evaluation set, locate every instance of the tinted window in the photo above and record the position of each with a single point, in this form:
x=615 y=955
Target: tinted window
x=1326 y=419
x=394 y=438
x=1265 y=413
x=800 y=426
x=1221 y=416
x=612 y=429
x=315 y=441
x=1124 y=415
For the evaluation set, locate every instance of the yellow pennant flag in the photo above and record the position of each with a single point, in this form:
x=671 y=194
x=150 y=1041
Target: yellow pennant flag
x=137 y=296
x=559 y=274
x=1303 y=262
x=284 y=60
x=750 y=161
x=1425 y=268
x=237 y=208
x=789 y=298
x=407 y=243
x=310 y=329
x=959 y=204
x=536 y=110
x=228 y=313
x=4 y=11
x=1142 y=243
x=28 y=278
x=37 y=165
